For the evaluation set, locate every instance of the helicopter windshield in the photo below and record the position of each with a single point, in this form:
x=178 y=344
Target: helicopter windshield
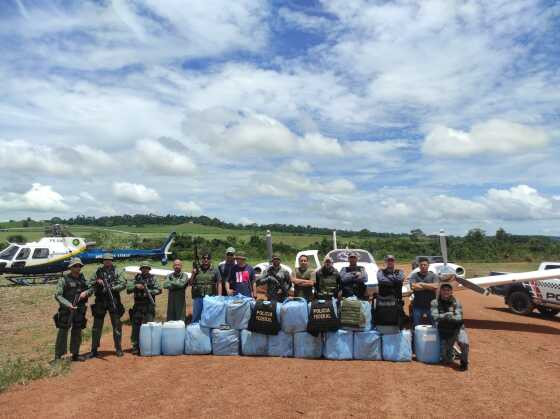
x=9 y=252
x=342 y=256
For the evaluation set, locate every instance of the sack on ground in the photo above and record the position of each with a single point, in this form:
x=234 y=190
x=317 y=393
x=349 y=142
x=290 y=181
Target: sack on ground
x=307 y=346
x=355 y=314
x=281 y=344
x=253 y=344
x=225 y=342
x=173 y=338
x=367 y=345
x=294 y=315
x=150 y=339
x=397 y=347
x=339 y=345
x=197 y=340
x=213 y=312
x=426 y=344
x=238 y=312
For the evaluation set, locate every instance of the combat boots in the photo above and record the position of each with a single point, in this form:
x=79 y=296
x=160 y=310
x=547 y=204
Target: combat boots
x=78 y=358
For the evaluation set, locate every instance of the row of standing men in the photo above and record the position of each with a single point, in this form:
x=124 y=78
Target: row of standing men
x=232 y=276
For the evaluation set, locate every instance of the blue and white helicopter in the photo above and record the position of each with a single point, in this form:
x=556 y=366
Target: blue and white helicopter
x=47 y=258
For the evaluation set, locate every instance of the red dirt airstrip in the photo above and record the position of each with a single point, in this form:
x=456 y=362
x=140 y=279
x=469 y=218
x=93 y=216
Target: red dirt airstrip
x=515 y=372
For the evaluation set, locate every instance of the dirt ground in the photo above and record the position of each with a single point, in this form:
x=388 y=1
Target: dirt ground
x=515 y=372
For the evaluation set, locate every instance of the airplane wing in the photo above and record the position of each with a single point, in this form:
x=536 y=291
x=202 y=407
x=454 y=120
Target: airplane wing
x=480 y=284
x=130 y=271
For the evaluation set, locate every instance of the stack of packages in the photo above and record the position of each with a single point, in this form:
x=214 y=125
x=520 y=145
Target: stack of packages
x=239 y=325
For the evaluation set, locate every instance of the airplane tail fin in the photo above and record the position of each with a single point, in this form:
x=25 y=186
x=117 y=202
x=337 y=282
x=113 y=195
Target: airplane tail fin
x=166 y=245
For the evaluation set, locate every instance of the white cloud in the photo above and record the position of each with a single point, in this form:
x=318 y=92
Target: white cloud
x=494 y=136
x=165 y=157
x=189 y=208
x=134 y=193
x=38 y=198
x=23 y=156
x=520 y=202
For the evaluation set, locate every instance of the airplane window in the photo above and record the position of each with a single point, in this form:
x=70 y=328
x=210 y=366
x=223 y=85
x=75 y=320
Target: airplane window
x=9 y=252
x=40 y=253
x=551 y=267
x=23 y=253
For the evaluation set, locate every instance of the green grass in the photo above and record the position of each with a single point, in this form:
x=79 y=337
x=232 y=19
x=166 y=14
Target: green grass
x=22 y=371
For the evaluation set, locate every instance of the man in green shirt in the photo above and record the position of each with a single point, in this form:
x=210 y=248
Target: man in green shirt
x=107 y=300
x=176 y=282
x=303 y=279
x=205 y=281
x=71 y=293
x=143 y=287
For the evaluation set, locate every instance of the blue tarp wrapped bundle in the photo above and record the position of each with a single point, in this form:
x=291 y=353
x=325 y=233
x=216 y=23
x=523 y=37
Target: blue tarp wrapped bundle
x=355 y=315
x=281 y=344
x=426 y=344
x=294 y=314
x=197 y=340
x=339 y=345
x=397 y=347
x=367 y=345
x=150 y=339
x=307 y=346
x=225 y=342
x=213 y=311
x=173 y=338
x=253 y=344
x=238 y=312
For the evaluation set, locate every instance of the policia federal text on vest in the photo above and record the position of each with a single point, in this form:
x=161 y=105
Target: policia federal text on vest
x=103 y=304
x=264 y=318
x=322 y=317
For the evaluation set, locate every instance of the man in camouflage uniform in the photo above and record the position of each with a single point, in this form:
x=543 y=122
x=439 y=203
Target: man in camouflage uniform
x=205 y=281
x=72 y=294
x=327 y=281
x=143 y=310
x=303 y=279
x=104 y=303
x=277 y=280
x=176 y=282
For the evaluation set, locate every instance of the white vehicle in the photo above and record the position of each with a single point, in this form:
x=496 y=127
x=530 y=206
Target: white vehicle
x=523 y=297
x=340 y=260
x=444 y=268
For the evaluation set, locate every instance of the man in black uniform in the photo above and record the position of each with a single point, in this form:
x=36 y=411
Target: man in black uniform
x=277 y=280
x=389 y=314
x=107 y=300
x=72 y=294
x=144 y=308
x=354 y=278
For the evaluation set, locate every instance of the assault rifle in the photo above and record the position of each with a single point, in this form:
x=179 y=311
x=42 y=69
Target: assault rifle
x=72 y=310
x=147 y=290
x=107 y=289
x=195 y=264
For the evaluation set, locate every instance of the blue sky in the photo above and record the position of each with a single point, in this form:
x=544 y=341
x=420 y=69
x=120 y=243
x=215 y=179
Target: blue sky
x=386 y=115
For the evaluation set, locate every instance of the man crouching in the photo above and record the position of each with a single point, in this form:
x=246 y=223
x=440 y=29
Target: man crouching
x=447 y=314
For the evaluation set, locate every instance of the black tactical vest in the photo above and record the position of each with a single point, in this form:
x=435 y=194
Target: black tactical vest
x=204 y=283
x=447 y=328
x=322 y=317
x=111 y=277
x=141 y=296
x=387 y=311
x=264 y=319
x=73 y=287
